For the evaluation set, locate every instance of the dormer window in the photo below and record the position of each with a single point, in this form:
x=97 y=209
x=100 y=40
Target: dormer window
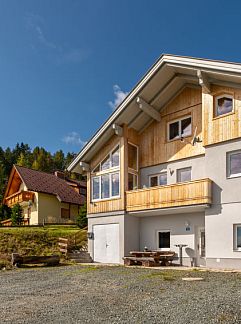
x=105 y=177
x=223 y=105
x=180 y=128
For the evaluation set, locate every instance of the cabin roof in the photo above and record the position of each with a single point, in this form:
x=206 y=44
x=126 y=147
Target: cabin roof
x=169 y=75
x=48 y=183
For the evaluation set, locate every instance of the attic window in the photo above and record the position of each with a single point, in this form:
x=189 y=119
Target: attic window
x=180 y=128
x=223 y=105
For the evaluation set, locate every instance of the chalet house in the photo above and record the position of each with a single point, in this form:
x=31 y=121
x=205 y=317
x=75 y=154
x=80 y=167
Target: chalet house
x=45 y=198
x=165 y=168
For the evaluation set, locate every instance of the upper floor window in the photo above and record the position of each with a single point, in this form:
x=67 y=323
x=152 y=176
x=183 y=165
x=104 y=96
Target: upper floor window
x=180 y=128
x=132 y=156
x=158 y=180
x=105 y=177
x=132 y=166
x=234 y=164
x=223 y=105
x=184 y=174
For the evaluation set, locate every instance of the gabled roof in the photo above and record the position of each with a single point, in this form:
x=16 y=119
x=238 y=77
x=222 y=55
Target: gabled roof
x=161 y=84
x=44 y=182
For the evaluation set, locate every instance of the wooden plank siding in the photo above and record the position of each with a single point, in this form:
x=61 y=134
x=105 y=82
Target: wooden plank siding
x=222 y=128
x=180 y=194
x=19 y=197
x=154 y=145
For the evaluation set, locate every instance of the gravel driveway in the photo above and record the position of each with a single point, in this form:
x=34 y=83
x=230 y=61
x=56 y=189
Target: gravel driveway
x=89 y=294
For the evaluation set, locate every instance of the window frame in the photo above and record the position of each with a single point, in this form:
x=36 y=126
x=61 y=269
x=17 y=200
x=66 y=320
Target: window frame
x=137 y=158
x=235 y=243
x=219 y=96
x=134 y=172
x=177 y=174
x=111 y=170
x=158 y=178
x=179 y=120
x=157 y=239
x=137 y=179
x=228 y=163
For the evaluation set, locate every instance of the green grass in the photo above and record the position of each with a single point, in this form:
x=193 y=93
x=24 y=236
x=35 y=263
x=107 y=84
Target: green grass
x=37 y=240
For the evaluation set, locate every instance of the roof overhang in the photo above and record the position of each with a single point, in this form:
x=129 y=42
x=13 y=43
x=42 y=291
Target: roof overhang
x=160 y=85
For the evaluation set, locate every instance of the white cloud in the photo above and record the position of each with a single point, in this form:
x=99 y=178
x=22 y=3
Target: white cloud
x=73 y=138
x=119 y=97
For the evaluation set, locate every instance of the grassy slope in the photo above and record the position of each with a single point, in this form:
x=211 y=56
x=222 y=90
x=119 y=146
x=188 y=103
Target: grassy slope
x=36 y=240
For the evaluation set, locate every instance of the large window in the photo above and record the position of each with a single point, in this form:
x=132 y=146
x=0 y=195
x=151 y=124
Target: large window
x=223 y=105
x=105 y=177
x=184 y=174
x=237 y=237
x=158 y=179
x=180 y=128
x=234 y=164
x=164 y=240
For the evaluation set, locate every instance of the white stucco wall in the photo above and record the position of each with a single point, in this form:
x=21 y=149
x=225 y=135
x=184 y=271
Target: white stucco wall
x=149 y=227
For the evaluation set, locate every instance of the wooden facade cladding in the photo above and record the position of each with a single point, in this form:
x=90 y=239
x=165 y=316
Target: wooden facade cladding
x=180 y=194
x=19 y=197
x=154 y=145
x=225 y=127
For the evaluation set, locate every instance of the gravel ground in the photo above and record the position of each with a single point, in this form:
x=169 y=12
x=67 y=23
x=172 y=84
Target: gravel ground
x=89 y=294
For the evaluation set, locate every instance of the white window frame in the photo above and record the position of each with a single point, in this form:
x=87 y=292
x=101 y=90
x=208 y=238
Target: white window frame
x=157 y=239
x=110 y=171
x=181 y=169
x=179 y=120
x=158 y=176
x=228 y=159
x=216 y=105
x=235 y=247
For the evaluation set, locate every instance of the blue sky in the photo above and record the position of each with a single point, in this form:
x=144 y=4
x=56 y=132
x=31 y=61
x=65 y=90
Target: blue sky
x=64 y=65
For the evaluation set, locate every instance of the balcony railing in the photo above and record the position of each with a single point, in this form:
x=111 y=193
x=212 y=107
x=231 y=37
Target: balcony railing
x=176 y=195
x=19 y=197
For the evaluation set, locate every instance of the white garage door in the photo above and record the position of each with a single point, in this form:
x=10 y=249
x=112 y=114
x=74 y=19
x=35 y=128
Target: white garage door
x=106 y=243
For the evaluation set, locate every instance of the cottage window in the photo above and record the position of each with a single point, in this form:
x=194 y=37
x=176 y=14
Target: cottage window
x=158 y=180
x=237 y=237
x=133 y=167
x=132 y=181
x=65 y=213
x=105 y=177
x=180 y=128
x=184 y=174
x=164 y=240
x=234 y=164
x=223 y=105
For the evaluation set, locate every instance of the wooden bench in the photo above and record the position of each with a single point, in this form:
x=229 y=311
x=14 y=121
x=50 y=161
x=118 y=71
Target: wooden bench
x=144 y=261
x=51 y=260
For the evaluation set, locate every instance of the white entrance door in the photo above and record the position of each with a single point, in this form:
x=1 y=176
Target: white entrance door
x=106 y=243
x=201 y=247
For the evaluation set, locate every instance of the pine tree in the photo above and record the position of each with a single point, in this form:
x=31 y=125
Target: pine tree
x=82 y=217
x=17 y=215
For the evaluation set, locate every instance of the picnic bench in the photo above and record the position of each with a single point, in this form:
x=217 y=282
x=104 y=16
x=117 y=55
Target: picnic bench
x=18 y=260
x=149 y=258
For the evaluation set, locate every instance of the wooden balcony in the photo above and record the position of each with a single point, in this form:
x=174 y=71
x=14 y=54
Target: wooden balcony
x=189 y=193
x=19 y=197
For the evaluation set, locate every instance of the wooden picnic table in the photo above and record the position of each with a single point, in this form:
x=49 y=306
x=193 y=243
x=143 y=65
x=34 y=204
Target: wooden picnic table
x=149 y=258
